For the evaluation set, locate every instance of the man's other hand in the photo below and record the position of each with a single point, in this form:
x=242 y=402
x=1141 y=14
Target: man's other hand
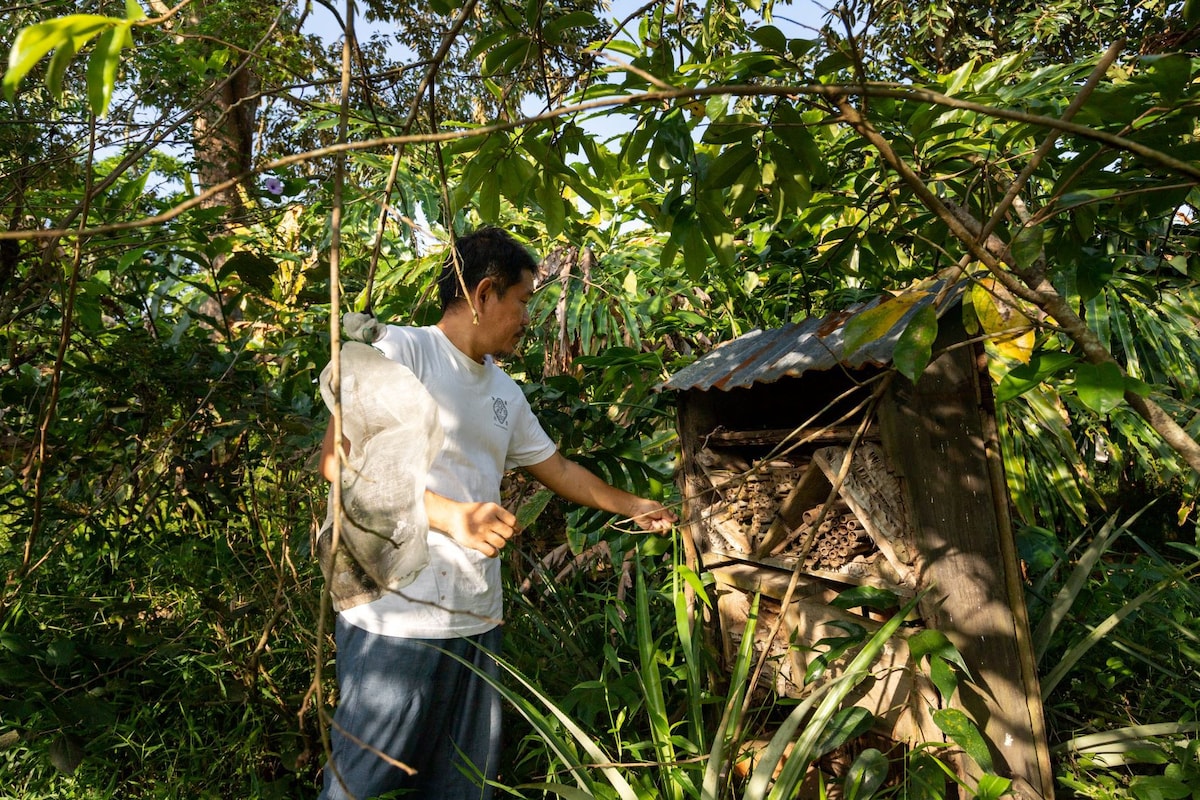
x=486 y=527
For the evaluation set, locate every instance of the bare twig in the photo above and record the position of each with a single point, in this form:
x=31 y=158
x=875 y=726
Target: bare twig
x=335 y=367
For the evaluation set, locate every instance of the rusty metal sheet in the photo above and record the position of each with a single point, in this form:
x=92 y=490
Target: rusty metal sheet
x=765 y=356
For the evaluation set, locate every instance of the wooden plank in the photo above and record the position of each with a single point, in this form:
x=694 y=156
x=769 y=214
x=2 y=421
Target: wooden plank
x=772 y=583
x=732 y=438
x=1014 y=584
x=899 y=695
x=879 y=574
x=934 y=436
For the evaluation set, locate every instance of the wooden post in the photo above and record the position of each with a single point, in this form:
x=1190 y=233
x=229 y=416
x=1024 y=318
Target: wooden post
x=938 y=434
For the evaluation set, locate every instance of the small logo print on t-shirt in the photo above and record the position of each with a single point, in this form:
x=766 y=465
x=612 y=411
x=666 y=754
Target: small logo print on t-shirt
x=500 y=411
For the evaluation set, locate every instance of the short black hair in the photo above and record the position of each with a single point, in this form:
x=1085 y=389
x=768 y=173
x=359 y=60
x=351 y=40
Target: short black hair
x=486 y=253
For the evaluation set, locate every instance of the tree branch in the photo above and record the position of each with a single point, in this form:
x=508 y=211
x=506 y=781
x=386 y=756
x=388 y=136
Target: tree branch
x=1031 y=286
x=832 y=92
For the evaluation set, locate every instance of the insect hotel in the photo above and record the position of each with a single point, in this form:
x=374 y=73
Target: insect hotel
x=806 y=474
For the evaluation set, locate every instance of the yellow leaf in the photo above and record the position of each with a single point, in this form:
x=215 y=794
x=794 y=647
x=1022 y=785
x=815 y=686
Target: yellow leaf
x=1006 y=320
x=1016 y=348
x=874 y=323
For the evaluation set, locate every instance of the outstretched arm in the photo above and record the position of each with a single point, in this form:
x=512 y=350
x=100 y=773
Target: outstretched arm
x=576 y=483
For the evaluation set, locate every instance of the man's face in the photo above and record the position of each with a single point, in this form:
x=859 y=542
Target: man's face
x=507 y=316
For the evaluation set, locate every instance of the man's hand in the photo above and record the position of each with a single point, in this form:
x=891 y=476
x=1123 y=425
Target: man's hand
x=650 y=515
x=486 y=527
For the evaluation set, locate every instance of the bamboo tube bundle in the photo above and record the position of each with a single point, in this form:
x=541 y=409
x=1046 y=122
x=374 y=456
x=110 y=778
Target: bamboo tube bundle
x=827 y=525
x=840 y=538
x=746 y=503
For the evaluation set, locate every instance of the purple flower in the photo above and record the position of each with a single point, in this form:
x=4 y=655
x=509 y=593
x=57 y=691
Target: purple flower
x=274 y=186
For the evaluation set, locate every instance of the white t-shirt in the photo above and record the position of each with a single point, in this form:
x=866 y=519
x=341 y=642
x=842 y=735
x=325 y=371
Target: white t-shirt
x=489 y=429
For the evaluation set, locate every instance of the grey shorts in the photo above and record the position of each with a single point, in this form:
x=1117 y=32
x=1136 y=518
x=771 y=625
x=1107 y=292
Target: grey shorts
x=411 y=700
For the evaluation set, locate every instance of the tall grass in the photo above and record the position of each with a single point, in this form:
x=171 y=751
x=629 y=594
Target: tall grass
x=1117 y=644
x=685 y=725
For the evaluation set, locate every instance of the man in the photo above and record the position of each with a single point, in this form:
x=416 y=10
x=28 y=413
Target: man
x=401 y=698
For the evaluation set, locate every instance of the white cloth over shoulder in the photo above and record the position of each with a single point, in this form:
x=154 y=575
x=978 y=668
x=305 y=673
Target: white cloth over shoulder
x=489 y=428
x=391 y=422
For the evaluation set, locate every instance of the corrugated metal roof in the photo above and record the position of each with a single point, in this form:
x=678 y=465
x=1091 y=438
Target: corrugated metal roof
x=765 y=356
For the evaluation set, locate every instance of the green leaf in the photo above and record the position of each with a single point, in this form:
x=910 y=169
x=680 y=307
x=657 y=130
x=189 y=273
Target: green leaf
x=732 y=716
x=928 y=642
x=963 y=732
x=794 y=133
x=915 y=346
x=517 y=177
x=1138 y=387
x=252 y=269
x=560 y=789
x=63 y=55
x=552 y=205
x=134 y=11
x=731 y=163
x=868 y=596
x=635 y=144
x=532 y=508
x=744 y=191
x=769 y=38
x=1100 y=387
x=1026 y=246
x=1092 y=274
x=717 y=231
x=66 y=753
x=675 y=136
x=874 y=323
x=696 y=582
x=35 y=41
x=716 y=107
x=575 y=19
x=866 y=775
x=666 y=257
x=833 y=63
x=1023 y=378
x=732 y=128
x=489 y=196
x=942 y=677
x=926 y=779
x=60 y=652
x=690 y=239
x=502 y=58
x=102 y=66
x=651 y=677
x=934 y=645
x=958 y=79
x=992 y=787
x=653 y=546
x=847 y=724
x=1159 y=787
x=625 y=48
x=1169 y=73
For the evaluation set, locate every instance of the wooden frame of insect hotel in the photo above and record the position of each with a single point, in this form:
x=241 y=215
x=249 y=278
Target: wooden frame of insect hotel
x=806 y=474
